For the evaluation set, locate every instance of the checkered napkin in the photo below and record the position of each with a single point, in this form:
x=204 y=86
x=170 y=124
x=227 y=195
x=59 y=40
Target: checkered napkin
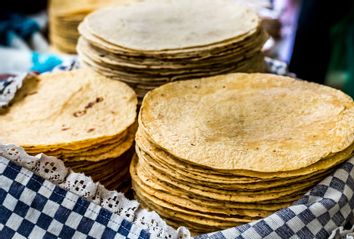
x=277 y=67
x=327 y=206
x=31 y=207
x=9 y=84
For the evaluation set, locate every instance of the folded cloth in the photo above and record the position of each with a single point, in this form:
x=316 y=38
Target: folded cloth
x=322 y=210
x=57 y=203
x=341 y=233
x=60 y=203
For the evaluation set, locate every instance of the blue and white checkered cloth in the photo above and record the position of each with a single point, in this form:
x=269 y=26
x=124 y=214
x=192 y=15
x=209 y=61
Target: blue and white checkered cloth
x=32 y=207
x=9 y=85
x=326 y=207
x=277 y=67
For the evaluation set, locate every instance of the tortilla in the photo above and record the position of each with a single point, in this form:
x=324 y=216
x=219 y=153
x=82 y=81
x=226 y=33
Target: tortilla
x=107 y=107
x=147 y=25
x=256 y=122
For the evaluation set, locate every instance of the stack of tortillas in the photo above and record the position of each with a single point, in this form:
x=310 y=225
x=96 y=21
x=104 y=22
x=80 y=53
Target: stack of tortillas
x=147 y=43
x=226 y=150
x=64 y=18
x=83 y=118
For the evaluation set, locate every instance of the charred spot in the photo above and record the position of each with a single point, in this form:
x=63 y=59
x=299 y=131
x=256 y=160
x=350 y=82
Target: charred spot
x=89 y=105
x=90 y=130
x=99 y=99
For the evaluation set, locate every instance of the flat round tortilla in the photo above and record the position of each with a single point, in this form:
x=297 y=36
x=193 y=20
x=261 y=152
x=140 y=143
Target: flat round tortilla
x=257 y=122
x=81 y=109
x=156 y=25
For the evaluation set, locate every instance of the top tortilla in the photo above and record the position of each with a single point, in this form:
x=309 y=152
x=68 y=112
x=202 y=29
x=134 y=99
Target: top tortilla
x=257 y=122
x=60 y=109
x=156 y=25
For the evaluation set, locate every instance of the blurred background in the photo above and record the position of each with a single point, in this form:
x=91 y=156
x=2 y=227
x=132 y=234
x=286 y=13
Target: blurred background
x=314 y=37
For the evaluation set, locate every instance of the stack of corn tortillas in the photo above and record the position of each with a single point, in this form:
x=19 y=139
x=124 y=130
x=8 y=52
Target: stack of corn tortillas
x=64 y=18
x=148 y=43
x=83 y=118
x=226 y=150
